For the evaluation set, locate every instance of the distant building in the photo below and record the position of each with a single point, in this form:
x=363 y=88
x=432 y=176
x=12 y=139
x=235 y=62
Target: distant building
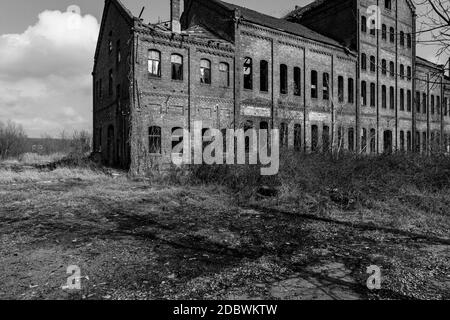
x=324 y=75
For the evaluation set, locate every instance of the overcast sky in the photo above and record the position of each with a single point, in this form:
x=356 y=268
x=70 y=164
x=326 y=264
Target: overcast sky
x=46 y=63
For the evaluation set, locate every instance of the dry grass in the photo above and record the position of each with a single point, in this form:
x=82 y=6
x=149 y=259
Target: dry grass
x=206 y=233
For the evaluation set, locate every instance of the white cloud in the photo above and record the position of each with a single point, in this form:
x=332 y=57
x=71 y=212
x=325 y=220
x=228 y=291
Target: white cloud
x=45 y=73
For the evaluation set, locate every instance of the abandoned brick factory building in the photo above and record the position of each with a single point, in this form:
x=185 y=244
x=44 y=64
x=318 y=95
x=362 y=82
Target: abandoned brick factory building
x=324 y=74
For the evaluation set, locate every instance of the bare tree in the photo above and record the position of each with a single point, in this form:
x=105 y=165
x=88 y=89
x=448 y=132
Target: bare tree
x=12 y=140
x=435 y=21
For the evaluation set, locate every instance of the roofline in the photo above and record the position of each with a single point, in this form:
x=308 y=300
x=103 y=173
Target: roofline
x=128 y=16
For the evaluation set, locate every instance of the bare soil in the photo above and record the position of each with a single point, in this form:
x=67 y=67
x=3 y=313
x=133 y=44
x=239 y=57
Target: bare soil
x=133 y=240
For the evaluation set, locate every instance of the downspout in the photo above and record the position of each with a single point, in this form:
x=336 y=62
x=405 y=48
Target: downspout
x=414 y=80
x=428 y=115
x=358 y=77
x=396 y=77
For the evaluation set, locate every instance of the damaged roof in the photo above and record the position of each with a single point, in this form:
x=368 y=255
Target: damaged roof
x=279 y=24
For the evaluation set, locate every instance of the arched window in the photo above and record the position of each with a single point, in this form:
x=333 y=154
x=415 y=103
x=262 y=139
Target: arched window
x=392 y=69
x=313 y=84
x=384 y=66
x=392 y=34
x=408 y=101
x=372 y=95
x=408 y=40
x=248 y=73
x=297 y=81
x=363 y=93
x=283 y=79
x=326 y=86
x=363 y=24
x=432 y=104
x=424 y=103
x=402 y=100
x=177 y=66
x=363 y=61
x=364 y=140
x=373 y=139
x=391 y=98
x=402 y=38
x=205 y=71
x=154 y=140
x=388 y=4
x=341 y=89
x=351 y=90
x=402 y=141
x=387 y=141
x=383 y=97
x=384 y=32
x=409 y=73
x=264 y=76
x=351 y=139
x=402 y=71
x=373 y=64
x=154 y=63
x=224 y=69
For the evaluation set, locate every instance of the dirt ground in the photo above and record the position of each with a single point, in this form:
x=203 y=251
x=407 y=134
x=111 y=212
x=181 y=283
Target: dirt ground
x=132 y=240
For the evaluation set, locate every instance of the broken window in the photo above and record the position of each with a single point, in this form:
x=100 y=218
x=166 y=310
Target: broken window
x=391 y=98
x=408 y=101
x=402 y=100
x=314 y=84
x=351 y=90
x=154 y=140
x=205 y=71
x=383 y=97
x=363 y=61
x=363 y=24
x=224 y=69
x=283 y=79
x=372 y=94
x=351 y=139
x=154 y=63
x=297 y=81
x=248 y=73
x=326 y=86
x=363 y=93
x=384 y=66
x=177 y=67
x=264 y=76
x=341 y=89
x=373 y=64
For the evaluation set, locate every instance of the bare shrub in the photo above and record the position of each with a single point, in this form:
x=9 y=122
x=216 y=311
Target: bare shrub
x=12 y=140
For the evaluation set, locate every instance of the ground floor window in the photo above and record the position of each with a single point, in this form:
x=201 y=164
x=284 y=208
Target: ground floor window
x=154 y=140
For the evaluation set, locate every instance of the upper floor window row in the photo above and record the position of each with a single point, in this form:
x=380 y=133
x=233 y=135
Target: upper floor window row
x=177 y=68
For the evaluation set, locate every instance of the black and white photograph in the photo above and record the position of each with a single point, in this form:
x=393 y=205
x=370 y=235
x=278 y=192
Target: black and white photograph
x=224 y=157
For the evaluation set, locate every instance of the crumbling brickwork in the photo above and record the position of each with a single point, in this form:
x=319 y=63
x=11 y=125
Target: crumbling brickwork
x=326 y=84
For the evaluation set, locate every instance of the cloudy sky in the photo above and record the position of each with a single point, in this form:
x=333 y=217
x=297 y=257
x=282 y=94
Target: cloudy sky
x=46 y=58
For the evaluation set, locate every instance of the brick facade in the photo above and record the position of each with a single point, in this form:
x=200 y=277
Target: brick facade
x=225 y=37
